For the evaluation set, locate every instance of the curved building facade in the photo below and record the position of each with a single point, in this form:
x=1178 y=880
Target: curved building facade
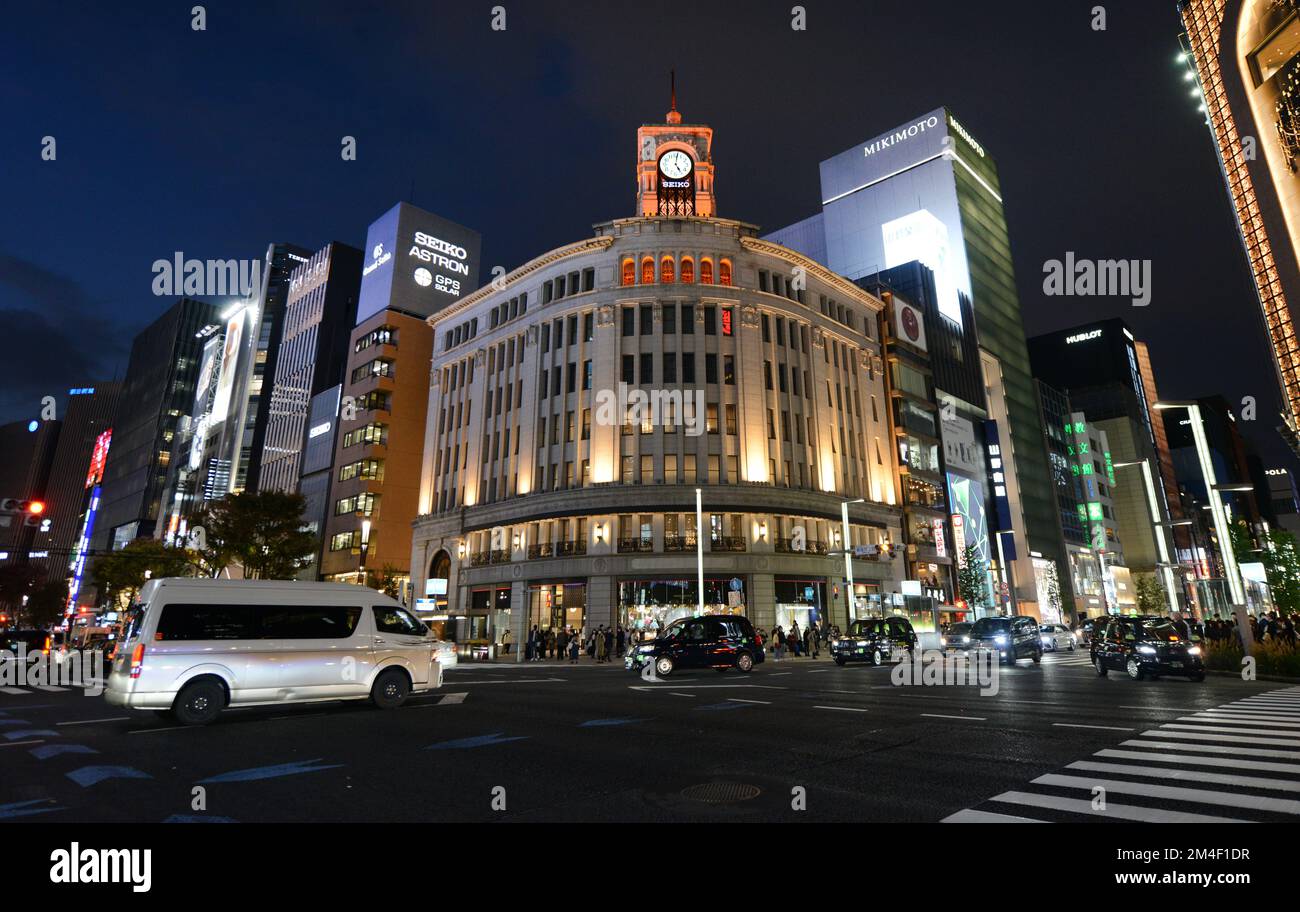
x=578 y=405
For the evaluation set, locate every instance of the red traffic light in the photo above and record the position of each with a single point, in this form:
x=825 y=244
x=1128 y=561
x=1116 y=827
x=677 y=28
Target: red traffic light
x=36 y=507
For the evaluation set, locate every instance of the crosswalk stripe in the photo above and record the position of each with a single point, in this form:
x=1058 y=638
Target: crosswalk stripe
x=1118 y=811
x=970 y=816
x=1238 y=720
x=1176 y=793
x=51 y=688
x=1189 y=775
x=15 y=691
x=1261 y=715
x=1215 y=749
x=1272 y=732
x=1187 y=760
x=1208 y=736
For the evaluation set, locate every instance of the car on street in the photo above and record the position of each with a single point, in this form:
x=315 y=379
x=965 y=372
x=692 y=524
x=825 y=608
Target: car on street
x=1012 y=638
x=874 y=640
x=720 y=641
x=193 y=647
x=956 y=637
x=1056 y=636
x=36 y=642
x=1145 y=647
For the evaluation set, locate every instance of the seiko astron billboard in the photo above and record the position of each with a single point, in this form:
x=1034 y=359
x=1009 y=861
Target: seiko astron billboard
x=416 y=262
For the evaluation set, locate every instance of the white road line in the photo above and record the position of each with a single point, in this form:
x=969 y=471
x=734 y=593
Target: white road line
x=963 y=718
x=1168 y=709
x=93 y=721
x=1116 y=811
x=1174 y=793
x=1207 y=736
x=1262 y=716
x=676 y=694
x=50 y=688
x=15 y=691
x=21 y=743
x=169 y=728
x=759 y=702
x=847 y=709
x=1183 y=759
x=452 y=699
x=1215 y=749
x=460 y=683
x=1276 y=733
x=1198 y=776
x=1237 y=720
x=1115 y=728
x=972 y=816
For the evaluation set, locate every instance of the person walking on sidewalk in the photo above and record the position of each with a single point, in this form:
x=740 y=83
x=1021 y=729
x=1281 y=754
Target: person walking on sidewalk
x=778 y=643
x=602 y=645
x=796 y=642
x=575 y=644
x=505 y=642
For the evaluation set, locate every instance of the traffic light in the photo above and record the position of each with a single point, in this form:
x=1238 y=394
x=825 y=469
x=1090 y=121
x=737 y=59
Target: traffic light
x=33 y=512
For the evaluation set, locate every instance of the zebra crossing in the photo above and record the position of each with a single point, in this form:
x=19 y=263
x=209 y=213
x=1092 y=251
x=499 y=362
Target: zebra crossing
x=33 y=689
x=1064 y=657
x=1236 y=763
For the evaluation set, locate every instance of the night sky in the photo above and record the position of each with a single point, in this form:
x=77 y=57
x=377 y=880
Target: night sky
x=215 y=143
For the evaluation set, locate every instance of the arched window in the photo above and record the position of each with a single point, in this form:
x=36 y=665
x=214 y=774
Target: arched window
x=629 y=272
x=688 y=270
x=667 y=271
x=724 y=272
x=706 y=272
x=648 y=271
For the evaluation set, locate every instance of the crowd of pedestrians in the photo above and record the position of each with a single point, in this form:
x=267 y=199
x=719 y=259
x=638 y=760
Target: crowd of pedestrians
x=808 y=642
x=1273 y=627
x=604 y=644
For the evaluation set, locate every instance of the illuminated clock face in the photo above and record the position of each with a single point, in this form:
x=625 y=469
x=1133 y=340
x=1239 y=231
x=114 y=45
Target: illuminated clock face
x=675 y=165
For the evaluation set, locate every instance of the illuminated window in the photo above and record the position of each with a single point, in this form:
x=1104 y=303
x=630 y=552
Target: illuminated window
x=724 y=272
x=706 y=272
x=667 y=271
x=629 y=272
x=647 y=271
x=688 y=271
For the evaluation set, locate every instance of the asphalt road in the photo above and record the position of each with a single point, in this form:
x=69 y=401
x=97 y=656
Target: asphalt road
x=795 y=740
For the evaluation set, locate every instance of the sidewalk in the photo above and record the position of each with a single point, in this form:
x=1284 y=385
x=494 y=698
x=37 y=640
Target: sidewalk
x=586 y=661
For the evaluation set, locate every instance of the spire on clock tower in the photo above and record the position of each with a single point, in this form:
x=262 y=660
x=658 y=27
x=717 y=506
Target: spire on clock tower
x=674 y=175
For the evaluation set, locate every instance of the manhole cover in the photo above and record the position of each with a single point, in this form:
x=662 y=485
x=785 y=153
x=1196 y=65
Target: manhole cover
x=721 y=792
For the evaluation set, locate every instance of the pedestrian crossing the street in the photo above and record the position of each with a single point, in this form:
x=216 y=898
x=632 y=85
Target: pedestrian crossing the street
x=1236 y=763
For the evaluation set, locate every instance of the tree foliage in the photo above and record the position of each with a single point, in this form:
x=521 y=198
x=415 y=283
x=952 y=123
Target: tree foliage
x=263 y=533
x=972 y=578
x=1150 y=596
x=120 y=574
x=1280 y=555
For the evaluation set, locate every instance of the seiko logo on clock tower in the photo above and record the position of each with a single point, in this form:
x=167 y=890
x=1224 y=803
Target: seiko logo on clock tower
x=675 y=168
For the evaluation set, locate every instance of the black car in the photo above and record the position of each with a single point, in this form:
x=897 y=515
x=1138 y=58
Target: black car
x=36 y=641
x=718 y=641
x=874 y=640
x=1013 y=638
x=956 y=636
x=1145 y=647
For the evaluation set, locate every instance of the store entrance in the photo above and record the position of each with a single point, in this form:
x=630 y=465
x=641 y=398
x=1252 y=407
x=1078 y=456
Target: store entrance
x=557 y=606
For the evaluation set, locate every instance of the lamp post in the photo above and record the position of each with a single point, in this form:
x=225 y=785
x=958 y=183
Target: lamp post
x=1157 y=529
x=699 y=549
x=846 y=544
x=365 y=546
x=1231 y=570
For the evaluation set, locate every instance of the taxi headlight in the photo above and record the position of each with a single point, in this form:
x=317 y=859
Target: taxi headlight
x=1147 y=650
x=1194 y=650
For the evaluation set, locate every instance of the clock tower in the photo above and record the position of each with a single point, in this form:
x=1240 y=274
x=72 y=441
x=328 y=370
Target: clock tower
x=674 y=172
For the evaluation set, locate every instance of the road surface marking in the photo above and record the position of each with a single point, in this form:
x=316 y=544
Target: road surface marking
x=759 y=702
x=970 y=816
x=93 y=721
x=1272 y=732
x=676 y=694
x=1186 y=760
x=21 y=743
x=1206 y=736
x=1197 y=776
x=1239 y=720
x=1215 y=749
x=520 y=681
x=1114 y=728
x=1121 y=812
x=1174 y=793
x=847 y=709
x=964 y=718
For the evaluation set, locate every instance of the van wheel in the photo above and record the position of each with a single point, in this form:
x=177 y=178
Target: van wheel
x=390 y=689
x=199 y=702
x=744 y=663
x=1101 y=669
x=664 y=666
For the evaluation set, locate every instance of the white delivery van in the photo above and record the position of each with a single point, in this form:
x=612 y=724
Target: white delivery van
x=192 y=647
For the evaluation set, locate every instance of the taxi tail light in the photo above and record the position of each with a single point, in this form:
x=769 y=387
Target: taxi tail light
x=137 y=660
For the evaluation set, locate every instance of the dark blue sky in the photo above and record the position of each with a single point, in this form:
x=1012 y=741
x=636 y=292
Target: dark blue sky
x=215 y=143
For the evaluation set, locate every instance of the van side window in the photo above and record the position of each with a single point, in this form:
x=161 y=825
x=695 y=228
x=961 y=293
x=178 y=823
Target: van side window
x=395 y=620
x=206 y=622
x=331 y=622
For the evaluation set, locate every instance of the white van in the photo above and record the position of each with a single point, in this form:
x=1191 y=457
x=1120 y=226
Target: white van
x=194 y=646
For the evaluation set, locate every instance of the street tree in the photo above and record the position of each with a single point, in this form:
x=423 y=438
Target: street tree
x=972 y=578
x=262 y=533
x=121 y=574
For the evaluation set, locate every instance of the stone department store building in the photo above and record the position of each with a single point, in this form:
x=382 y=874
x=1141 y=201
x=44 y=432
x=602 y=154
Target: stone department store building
x=550 y=496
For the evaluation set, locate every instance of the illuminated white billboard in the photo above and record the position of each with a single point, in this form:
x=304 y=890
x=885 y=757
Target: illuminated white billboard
x=229 y=363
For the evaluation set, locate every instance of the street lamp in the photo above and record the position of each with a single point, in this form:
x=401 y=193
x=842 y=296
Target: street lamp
x=1235 y=588
x=699 y=549
x=1162 y=548
x=847 y=544
x=365 y=546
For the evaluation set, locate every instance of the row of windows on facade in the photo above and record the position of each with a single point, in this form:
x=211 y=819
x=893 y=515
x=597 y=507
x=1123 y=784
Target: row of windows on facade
x=668 y=273
x=639 y=532
x=382 y=335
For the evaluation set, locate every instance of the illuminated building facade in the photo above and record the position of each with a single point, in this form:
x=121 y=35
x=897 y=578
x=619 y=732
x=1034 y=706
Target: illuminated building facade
x=578 y=404
x=1245 y=55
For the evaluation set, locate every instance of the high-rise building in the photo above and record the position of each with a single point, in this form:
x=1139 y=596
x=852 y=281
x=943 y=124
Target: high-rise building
x=579 y=403
x=416 y=265
x=158 y=390
x=315 y=471
x=320 y=313
x=27 y=450
x=929 y=191
x=1106 y=373
x=78 y=455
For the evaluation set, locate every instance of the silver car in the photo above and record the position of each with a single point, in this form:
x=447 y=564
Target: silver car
x=1055 y=637
x=193 y=647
